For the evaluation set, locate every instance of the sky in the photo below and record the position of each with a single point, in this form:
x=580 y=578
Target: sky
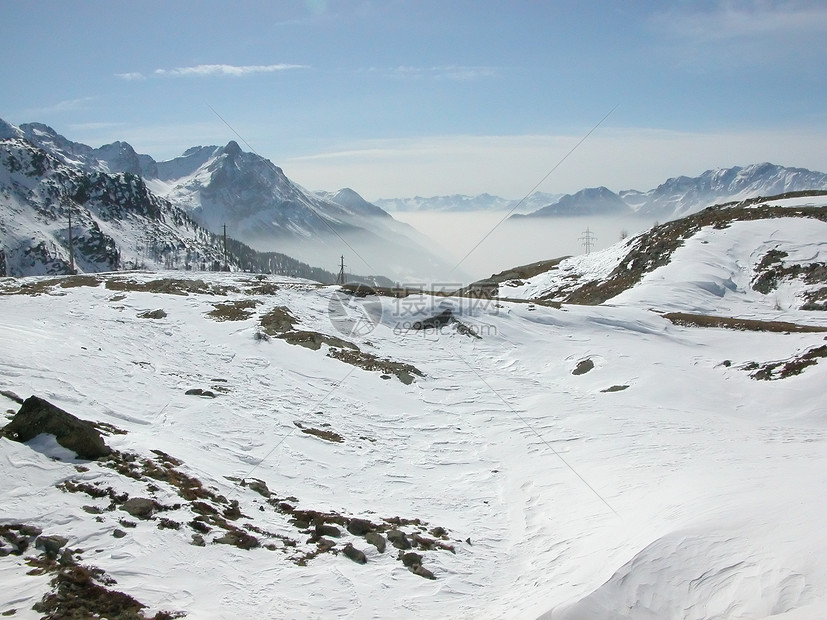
x=400 y=98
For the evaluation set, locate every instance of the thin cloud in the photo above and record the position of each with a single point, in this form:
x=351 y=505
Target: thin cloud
x=735 y=20
x=131 y=77
x=67 y=105
x=224 y=70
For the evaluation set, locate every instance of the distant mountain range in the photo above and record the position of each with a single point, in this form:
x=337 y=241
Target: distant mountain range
x=680 y=196
x=463 y=203
x=674 y=198
x=212 y=187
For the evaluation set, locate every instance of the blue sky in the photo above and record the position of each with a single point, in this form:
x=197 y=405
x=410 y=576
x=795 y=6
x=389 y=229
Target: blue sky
x=402 y=97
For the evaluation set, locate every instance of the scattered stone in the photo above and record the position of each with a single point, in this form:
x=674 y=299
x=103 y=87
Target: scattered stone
x=200 y=392
x=439 y=532
x=153 y=314
x=423 y=572
x=411 y=559
x=12 y=396
x=37 y=416
x=615 y=388
x=50 y=545
x=92 y=510
x=325 y=544
x=238 y=538
x=30 y=530
x=398 y=539
x=139 y=507
x=127 y=523
x=259 y=486
x=324 y=529
x=377 y=540
x=118 y=533
x=354 y=554
x=583 y=366
x=359 y=527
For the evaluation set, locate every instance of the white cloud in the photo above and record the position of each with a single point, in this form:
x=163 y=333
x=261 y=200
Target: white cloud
x=225 y=70
x=131 y=77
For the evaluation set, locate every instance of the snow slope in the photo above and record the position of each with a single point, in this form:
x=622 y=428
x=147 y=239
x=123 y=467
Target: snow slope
x=689 y=490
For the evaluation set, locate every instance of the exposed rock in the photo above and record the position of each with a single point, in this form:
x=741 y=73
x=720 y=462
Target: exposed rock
x=118 y=533
x=377 y=540
x=12 y=396
x=238 y=538
x=423 y=572
x=583 y=366
x=38 y=416
x=153 y=314
x=259 y=486
x=324 y=529
x=139 y=507
x=411 y=559
x=398 y=539
x=615 y=388
x=354 y=554
x=50 y=545
x=198 y=540
x=200 y=392
x=359 y=527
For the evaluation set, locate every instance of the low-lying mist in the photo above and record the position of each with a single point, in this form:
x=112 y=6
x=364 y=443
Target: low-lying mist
x=515 y=241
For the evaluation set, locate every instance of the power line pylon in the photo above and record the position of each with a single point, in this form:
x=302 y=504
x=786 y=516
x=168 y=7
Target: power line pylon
x=587 y=240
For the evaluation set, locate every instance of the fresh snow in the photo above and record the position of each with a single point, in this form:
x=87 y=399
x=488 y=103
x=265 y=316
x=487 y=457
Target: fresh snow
x=697 y=492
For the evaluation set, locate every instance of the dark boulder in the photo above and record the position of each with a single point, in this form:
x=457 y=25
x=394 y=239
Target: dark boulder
x=359 y=527
x=38 y=416
x=398 y=539
x=583 y=366
x=354 y=554
x=50 y=545
x=377 y=540
x=139 y=507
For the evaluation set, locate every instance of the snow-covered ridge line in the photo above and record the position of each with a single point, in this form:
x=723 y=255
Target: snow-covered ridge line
x=601 y=276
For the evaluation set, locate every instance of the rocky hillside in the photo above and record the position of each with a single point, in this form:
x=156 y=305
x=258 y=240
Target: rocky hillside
x=225 y=186
x=117 y=222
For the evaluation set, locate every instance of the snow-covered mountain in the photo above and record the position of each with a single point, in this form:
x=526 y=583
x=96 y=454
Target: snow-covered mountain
x=258 y=204
x=591 y=201
x=116 y=221
x=465 y=203
x=657 y=455
x=682 y=195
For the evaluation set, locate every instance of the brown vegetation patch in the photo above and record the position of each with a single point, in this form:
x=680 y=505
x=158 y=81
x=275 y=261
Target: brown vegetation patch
x=771 y=371
x=324 y=434
x=686 y=319
x=169 y=286
x=277 y=321
x=239 y=310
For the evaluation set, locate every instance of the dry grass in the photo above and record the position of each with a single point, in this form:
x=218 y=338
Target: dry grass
x=686 y=319
x=239 y=310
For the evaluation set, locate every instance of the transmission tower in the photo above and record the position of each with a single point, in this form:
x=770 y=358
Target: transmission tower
x=340 y=279
x=587 y=240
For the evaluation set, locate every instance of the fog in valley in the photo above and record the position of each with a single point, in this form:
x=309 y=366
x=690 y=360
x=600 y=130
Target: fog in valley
x=514 y=241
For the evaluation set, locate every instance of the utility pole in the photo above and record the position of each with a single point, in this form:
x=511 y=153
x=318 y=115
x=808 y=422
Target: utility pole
x=587 y=240
x=340 y=279
x=71 y=246
x=226 y=266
